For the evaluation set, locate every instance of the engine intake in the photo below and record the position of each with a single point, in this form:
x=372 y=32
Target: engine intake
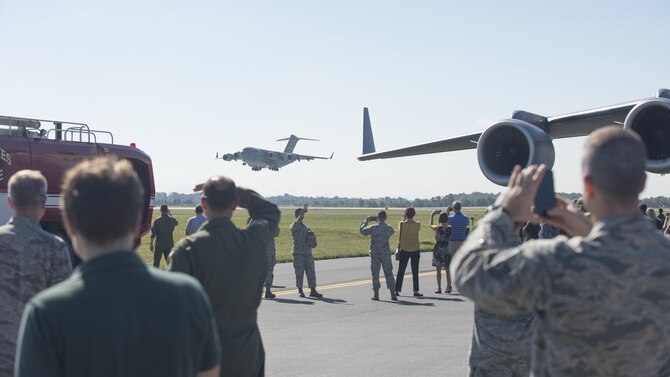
x=272 y=156
x=512 y=142
x=651 y=120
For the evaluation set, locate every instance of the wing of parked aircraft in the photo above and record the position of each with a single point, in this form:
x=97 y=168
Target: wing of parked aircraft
x=526 y=138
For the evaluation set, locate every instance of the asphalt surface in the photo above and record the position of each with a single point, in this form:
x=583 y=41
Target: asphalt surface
x=345 y=333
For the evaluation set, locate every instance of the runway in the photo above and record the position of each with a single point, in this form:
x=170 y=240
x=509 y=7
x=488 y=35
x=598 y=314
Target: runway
x=345 y=333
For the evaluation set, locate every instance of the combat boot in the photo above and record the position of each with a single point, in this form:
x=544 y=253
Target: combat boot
x=376 y=294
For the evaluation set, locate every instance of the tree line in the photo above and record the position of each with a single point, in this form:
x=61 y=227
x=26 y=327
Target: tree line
x=474 y=199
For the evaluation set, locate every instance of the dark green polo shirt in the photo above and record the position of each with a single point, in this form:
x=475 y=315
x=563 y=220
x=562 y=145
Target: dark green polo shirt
x=117 y=317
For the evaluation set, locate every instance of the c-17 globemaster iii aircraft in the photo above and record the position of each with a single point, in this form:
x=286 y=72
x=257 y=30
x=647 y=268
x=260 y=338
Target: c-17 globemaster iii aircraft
x=527 y=138
x=261 y=158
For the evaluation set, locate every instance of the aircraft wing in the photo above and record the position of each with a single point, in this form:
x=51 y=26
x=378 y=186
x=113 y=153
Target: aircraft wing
x=584 y=122
x=559 y=126
x=447 y=145
x=302 y=157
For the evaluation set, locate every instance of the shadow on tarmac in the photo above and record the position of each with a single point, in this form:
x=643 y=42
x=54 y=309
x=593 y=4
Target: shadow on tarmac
x=329 y=300
x=291 y=301
x=411 y=303
x=441 y=298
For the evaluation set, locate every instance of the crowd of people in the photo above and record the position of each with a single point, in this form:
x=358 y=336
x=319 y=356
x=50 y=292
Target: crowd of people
x=588 y=297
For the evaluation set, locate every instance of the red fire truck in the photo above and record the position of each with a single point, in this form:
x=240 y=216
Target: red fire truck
x=26 y=144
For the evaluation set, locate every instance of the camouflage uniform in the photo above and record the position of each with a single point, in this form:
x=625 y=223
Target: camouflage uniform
x=272 y=261
x=547 y=231
x=501 y=343
x=602 y=301
x=303 y=261
x=162 y=230
x=31 y=260
x=380 y=253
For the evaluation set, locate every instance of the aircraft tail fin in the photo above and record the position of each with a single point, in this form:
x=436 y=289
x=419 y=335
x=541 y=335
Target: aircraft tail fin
x=368 y=139
x=292 y=141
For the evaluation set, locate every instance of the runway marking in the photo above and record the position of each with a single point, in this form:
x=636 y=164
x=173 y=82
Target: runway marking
x=344 y=285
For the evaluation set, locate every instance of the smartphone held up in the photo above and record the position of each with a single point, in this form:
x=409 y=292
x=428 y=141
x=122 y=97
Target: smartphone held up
x=546 y=197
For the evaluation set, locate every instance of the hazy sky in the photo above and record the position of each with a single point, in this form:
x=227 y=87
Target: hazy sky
x=185 y=80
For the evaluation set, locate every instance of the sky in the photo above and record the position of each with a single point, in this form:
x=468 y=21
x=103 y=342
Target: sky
x=185 y=80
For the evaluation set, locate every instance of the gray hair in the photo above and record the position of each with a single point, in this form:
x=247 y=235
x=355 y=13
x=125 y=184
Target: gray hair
x=457 y=205
x=27 y=188
x=614 y=159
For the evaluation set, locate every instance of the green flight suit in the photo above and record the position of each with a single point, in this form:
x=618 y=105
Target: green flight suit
x=231 y=265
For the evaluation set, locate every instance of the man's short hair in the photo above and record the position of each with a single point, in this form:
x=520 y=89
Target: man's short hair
x=457 y=205
x=27 y=188
x=220 y=193
x=198 y=209
x=102 y=198
x=164 y=208
x=643 y=208
x=660 y=210
x=297 y=212
x=614 y=159
x=382 y=215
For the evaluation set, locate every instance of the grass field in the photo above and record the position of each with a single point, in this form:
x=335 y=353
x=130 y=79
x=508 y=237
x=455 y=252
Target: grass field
x=336 y=229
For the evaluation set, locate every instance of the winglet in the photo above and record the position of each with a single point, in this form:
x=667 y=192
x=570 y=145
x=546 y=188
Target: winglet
x=331 y=156
x=368 y=140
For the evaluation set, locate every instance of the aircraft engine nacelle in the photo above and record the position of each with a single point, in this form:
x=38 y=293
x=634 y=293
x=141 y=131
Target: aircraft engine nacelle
x=236 y=155
x=272 y=156
x=288 y=157
x=651 y=120
x=227 y=157
x=512 y=142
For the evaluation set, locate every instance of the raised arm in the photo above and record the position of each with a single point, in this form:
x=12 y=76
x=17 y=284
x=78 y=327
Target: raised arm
x=432 y=219
x=264 y=214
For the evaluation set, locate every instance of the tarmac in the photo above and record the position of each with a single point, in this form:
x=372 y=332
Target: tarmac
x=345 y=333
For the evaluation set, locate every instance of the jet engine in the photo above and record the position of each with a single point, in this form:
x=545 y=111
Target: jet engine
x=651 y=120
x=512 y=142
x=227 y=157
x=236 y=155
x=288 y=157
x=272 y=156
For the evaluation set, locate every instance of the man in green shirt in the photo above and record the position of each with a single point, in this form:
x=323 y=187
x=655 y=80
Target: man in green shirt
x=162 y=231
x=231 y=265
x=114 y=316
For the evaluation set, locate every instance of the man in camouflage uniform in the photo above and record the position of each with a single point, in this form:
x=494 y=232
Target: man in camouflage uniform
x=272 y=261
x=601 y=297
x=32 y=259
x=501 y=343
x=303 y=261
x=162 y=231
x=380 y=252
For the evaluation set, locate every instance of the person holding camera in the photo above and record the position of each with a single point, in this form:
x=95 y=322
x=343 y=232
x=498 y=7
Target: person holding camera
x=380 y=252
x=441 y=251
x=408 y=250
x=601 y=297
